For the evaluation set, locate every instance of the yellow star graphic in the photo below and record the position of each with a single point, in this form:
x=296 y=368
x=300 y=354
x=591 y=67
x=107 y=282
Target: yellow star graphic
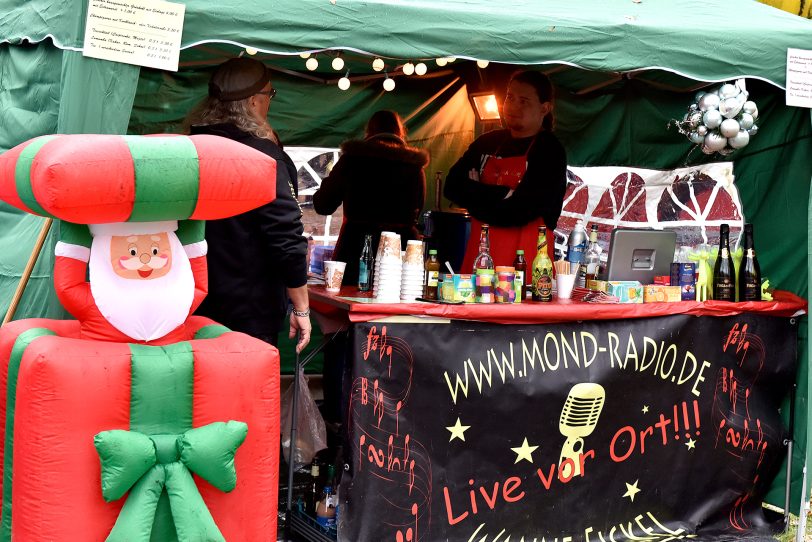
x=525 y=451
x=691 y=444
x=632 y=490
x=458 y=431
x=645 y=409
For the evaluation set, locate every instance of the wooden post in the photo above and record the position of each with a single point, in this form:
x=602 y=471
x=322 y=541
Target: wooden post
x=29 y=267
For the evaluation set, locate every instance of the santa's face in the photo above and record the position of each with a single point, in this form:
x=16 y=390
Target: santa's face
x=141 y=256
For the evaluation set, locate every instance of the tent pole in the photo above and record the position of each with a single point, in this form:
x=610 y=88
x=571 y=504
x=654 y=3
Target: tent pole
x=29 y=267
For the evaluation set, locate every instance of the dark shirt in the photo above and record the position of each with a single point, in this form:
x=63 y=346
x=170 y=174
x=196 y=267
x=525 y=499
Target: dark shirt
x=253 y=257
x=539 y=194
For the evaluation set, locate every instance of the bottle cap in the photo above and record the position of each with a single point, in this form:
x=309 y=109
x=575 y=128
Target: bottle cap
x=432 y=251
x=520 y=251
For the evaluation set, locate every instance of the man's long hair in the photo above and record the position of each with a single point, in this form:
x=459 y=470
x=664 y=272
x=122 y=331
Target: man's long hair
x=213 y=111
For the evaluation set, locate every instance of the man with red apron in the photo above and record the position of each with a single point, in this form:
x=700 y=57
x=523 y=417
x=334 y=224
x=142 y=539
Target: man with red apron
x=513 y=179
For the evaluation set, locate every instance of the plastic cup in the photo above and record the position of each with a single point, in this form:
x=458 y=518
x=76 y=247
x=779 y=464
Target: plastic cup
x=333 y=275
x=565 y=285
x=414 y=253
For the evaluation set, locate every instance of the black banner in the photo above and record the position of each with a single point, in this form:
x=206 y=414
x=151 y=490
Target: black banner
x=653 y=428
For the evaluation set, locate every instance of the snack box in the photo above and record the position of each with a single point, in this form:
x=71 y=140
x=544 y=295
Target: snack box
x=683 y=275
x=657 y=293
x=627 y=291
x=597 y=285
x=458 y=287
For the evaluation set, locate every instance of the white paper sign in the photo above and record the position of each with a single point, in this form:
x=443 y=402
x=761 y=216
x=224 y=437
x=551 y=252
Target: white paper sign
x=142 y=32
x=799 y=77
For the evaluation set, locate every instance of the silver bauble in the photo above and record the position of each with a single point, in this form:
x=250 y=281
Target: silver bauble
x=715 y=141
x=712 y=118
x=751 y=108
x=746 y=121
x=730 y=107
x=708 y=102
x=729 y=127
x=739 y=140
x=753 y=130
x=728 y=91
x=698 y=95
x=694 y=119
x=693 y=107
x=696 y=138
x=702 y=130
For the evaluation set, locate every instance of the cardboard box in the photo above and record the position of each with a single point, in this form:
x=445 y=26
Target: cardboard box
x=65 y=390
x=597 y=285
x=656 y=293
x=627 y=291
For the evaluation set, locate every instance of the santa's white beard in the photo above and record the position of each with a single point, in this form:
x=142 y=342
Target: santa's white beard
x=144 y=310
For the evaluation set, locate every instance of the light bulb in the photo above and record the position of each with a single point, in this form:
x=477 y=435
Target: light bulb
x=388 y=84
x=338 y=63
x=441 y=61
x=312 y=64
x=420 y=69
x=408 y=68
x=482 y=63
x=251 y=51
x=344 y=83
x=450 y=59
x=304 y=55
x=377 y=64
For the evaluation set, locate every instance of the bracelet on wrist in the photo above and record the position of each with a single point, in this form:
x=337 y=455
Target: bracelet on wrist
x=301 y=314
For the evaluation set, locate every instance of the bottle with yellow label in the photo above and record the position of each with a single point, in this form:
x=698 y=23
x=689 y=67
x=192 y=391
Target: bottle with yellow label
x=542 y=285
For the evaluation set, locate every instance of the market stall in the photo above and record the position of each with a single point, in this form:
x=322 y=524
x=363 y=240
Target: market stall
x=624 y=72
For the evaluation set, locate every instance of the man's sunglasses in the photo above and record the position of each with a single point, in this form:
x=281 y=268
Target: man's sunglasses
x=269 y=93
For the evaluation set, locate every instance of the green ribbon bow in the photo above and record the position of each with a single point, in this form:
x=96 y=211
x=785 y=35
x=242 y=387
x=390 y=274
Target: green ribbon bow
x=146 y=465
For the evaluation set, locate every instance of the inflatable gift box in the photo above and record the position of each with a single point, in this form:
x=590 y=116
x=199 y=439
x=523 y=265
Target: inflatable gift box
x=92 y=425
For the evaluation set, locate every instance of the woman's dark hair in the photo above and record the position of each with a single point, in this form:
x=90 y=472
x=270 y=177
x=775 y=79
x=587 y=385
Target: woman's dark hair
x=544 y=88
x=385 y=122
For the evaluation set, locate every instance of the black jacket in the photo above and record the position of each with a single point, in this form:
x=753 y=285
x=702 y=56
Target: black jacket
x=255 y=256
x=539 y=194
x=381 y=183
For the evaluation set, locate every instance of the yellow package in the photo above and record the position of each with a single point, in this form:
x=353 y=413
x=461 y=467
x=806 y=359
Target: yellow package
x=657 y=293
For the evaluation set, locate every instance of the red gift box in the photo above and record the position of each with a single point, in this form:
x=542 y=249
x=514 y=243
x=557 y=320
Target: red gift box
x=68 y=390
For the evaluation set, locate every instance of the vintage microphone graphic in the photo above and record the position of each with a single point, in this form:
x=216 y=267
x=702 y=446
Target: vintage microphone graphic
x=578 y=419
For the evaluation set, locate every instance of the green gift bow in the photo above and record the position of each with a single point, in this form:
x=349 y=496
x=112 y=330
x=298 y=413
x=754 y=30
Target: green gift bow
x=148 y=464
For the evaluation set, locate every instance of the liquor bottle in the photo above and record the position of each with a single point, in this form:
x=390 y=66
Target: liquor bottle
x=520 y=265
x=542 y=287
x=313 y=489
x=576 y=245
x=483 y=259
x=724 y=289
x=750 y=272
x=432 y=276
x=592 y=261
x=366 y=265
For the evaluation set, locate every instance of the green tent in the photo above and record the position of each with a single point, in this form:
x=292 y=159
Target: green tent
x=623 y=70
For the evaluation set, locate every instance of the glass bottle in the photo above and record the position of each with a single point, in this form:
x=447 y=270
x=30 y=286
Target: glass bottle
x=483 y=259
x=724 y=289
x=432 y=276
x=542 y=287
x=576 y=245
x=366 y=265
x=592 y=265
x=313 y=489
x=520 y=265
x=750 y=272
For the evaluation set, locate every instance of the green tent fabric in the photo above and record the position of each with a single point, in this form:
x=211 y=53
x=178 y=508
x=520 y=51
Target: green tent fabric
x=623 y=71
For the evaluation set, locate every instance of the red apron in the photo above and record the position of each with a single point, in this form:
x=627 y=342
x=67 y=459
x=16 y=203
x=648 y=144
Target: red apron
x=505 y=241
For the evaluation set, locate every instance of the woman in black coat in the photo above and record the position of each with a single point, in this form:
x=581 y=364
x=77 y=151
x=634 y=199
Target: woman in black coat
x=381 y=183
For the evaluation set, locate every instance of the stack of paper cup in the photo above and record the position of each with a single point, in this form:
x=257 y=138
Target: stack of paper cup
x=412 y=278
x=388 y=269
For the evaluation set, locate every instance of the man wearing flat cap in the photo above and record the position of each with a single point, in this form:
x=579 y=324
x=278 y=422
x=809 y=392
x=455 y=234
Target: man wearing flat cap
x=257 y=260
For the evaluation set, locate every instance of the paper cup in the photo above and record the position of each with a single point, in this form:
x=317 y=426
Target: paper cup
x=333 y=275
x=565 y=284
x=414 y=253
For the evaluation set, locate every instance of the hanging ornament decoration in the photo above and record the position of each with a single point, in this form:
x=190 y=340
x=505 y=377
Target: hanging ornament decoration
x=408 y=68
x=344 y=82
x=312 y=63
x=720 y=120
x=442 y=61
x=482 y=64
x=338 y=63
x=388 y=84
x=420 y=69
x=378 y=64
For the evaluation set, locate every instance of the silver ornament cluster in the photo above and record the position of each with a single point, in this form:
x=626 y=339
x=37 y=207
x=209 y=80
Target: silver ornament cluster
x=720 y=120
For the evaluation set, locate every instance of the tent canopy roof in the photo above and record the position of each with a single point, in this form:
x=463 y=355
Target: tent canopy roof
x=715 y=40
